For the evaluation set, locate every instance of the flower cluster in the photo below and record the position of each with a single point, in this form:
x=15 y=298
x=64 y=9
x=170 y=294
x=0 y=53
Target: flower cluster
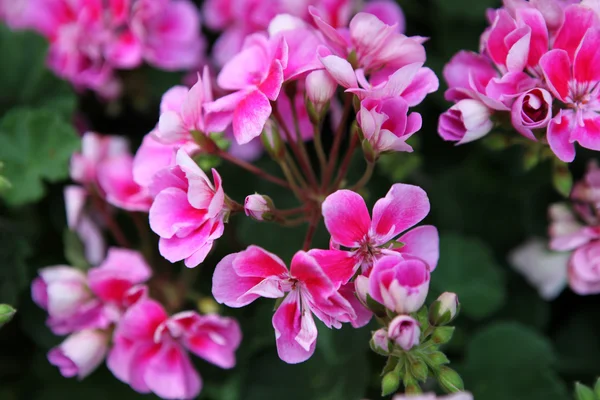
x=577 y=229
x=113 y=297
x=89 y=40
x=536 y=69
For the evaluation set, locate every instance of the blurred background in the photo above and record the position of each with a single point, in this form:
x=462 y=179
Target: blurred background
x=509 y=343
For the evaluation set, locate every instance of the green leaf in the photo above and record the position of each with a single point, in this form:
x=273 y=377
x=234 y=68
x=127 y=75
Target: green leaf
x=25 y=79
x=583 y=392
x=510 y=361
x=35 y=145
x=562 y=178
x=467 y=268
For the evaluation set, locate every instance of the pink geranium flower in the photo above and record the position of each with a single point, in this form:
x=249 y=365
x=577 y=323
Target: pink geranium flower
x=150 y=349
x=188 y=211
x=243 y=277
x=95 y=148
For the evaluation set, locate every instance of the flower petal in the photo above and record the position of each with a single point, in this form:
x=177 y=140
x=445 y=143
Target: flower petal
x=346 y=217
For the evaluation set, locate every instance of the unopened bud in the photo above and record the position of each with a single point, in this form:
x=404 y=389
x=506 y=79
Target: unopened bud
x=259 y=207
x=442 y=334
x=320 y=88
x=380 y=343
x=6 y=313
x=361 y=287
x=271 y=139
x=449 y=380
x=404 y=331
x=390 y=382
x=444 y=309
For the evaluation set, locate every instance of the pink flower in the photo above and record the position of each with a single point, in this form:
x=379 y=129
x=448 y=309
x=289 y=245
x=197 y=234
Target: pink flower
x=258 y=207
x=388 y=12
x=347 y=220
x=320 y=88
x=241 y=278
x=401 y=285
x=115 y=178
x=566 y=231
x=188 y=211
x=467 y=75
x=95 y=148
x=256 y=74
x=80 y=221
x=149 y=351
x=465 y=121
x=531 y=110
x=405 y=332
x=584 y=269
x=182 y=112
x=387 y=125
x=80 y=354
x=571 y=75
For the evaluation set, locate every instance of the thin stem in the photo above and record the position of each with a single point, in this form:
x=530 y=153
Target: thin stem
x=252 y=168
x=291 y=211
x=290 y=223
x=312 y=228
x=318 y=141
x=308 y=172
x=343 y=170
x=294 y=170
x=337 y=141
x=299 y=141
x=365 y=178
x=290 y=178
x=111 y=224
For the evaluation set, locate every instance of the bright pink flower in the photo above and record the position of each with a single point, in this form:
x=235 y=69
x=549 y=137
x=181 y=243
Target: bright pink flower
x=405 y=332
x=241 y=278
x=347 y=220
x=80 y=221
x=115 y=178
x=149 y=351
x=401 y=285
x=572 y=77
x=182 y=112
x=584 y=269
x=467 y=75
x=80 y=354
x=531 y=110
x=387 y=125
x=388 y=12
x=256 y=74
x=95 y=148
x=188 y=211
x=465 y=121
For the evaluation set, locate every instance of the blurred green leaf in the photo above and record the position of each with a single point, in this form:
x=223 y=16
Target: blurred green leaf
x=508 y=361
x=467 y=268
x=25 y=79
x=562 y=178
x=35 y=145
x=398 y=166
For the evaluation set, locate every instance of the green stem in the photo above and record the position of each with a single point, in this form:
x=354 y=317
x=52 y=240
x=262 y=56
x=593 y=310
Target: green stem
x=365 y=178
x=251 y=168
x=318 y=141
x=337 y=141
x=343 y=170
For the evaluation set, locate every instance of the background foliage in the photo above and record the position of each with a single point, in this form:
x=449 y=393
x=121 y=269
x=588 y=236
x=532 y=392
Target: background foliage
x=509 y=343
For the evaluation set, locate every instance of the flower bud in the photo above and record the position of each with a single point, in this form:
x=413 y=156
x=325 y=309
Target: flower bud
x=390 y=382
x=380 y=342
x=320 y=88
x=80 y=354
x=531 y=110
x=404 y=331
x=450 y=380
x=259 y=207
x=6 y=313
x=399 y=284
x=271 y=139
x=465 y=121
x=361 y=287
x=444 y=309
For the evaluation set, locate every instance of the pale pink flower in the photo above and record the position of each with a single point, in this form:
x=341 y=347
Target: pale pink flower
x=115 y=178
x=531 y=110
x=182 y=112
x=584 y=269
x=387 y=11
x=566 y=231
x=320 y=88
x=572 y=77
x=188 y=211
x=465 y=121
x=256 y=206
x=347 y=220
x=80 y=220
x=150 y=349
x=81 y=353
x=386 y=123
x=400 y=284
x=405 y=332
x=546 y=271
x=241 y=278
x=95 y=148
x=256 y=75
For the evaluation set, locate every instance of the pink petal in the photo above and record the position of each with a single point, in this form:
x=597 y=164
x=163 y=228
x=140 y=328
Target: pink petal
x=140 y=321
x=171 y=375
x=340 y=70
x=246 y=69
x=557 y=70
x=401 y=208
x=539 y=33
x=171 y=214
x=142 y=355
x=119 y=357
x=346 y=217
x=588 y=135
x=295 y=330
x=559 y=135
x=518 y=53
x=125 y=50
x=272 y=83
x=363 y=314
x=496 y=47
x=578 y=20
x=250 y=116
x=215 y=339
x=151 y=157
x=255 y=261
x=173 y=99
x=587 y=58
x=424 y=82
x=422 y=242
x=338 y=265
x=179 y=248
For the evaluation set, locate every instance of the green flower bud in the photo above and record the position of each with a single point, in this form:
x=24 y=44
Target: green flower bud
x=444 y=309
x=6 y=313
x=449 y=380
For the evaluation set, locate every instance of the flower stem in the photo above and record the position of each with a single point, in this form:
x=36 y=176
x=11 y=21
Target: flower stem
x=252 y=168
x=365 y=178
x=337 y=141
x=111 y=224
x=312 y=228
x=318 y=141
x=343 y=170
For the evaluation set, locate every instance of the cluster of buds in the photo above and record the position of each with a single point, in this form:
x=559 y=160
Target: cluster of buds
x=411 y=341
